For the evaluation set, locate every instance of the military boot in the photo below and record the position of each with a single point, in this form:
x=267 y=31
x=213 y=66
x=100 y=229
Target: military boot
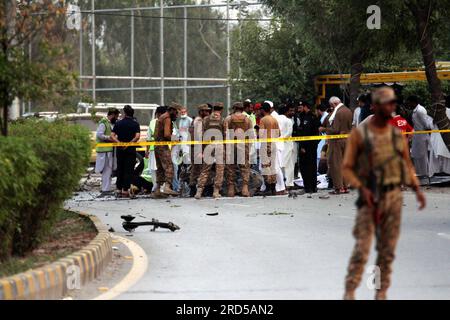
x=199 y=193
x=349 y=295
x=245 y=193
x=157 y=194
x=168 y=190
x=231 y=192
x=381 y=295
x=216 y=193
x=193 y=191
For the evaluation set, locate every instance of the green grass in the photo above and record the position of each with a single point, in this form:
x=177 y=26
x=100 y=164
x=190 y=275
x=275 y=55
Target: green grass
x=70 y=233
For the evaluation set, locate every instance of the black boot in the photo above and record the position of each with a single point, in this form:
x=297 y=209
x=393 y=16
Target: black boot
x=193 y=191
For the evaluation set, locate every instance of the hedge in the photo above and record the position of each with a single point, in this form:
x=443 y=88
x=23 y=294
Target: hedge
x=20 y=174
x=55 y=155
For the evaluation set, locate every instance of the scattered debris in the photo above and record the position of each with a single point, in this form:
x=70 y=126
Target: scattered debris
x=324 y=197
x=130 y=226
x=295 y=193
x=175 y=206
x=103 y=289
x=212 y=214
x=111 y=229
x=276 y=213
x=115 y=248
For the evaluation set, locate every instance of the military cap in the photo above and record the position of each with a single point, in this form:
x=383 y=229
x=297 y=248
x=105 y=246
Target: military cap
x=383 y=95
x=218 y=106
x=176 y=106
x=203 y=107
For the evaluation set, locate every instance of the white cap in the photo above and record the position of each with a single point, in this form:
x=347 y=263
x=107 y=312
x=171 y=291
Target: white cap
x=248 y=100
x=270 y=103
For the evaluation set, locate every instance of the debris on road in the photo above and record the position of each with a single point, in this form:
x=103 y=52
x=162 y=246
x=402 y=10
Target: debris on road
x=130 y=226
x=295 y=193
x=212 y=214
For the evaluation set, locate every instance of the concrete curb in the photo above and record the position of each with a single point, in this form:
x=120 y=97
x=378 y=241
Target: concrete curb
x=54 y=281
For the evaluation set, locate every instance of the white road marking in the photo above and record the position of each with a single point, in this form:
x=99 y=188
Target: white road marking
x=140 y=263
x=444 y=235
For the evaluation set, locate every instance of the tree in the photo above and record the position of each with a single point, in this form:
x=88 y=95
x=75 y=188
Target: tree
x=46 y=75
x=273 y=64
x=339 y=28
x=427 y=15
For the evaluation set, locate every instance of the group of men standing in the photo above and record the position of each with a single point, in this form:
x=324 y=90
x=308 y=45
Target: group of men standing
x=375 y=160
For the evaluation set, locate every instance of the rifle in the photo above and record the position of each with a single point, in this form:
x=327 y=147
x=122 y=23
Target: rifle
x=130 y=226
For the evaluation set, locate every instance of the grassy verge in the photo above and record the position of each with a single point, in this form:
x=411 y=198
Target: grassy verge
x=69 y=234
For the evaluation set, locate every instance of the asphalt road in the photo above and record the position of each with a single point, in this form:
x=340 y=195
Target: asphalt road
x=276 y=248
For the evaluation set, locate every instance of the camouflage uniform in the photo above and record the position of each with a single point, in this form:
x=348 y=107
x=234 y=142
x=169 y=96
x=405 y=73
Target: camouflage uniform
x=236 y=126
x=380 y=162
x=213 y=122
x=387 y=236
x=163 y=155
x=196 y=161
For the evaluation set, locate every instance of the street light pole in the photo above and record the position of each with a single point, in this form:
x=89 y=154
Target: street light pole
x=161 y=44
x=94 y=95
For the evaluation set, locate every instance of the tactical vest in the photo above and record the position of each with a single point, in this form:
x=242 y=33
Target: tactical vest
x=107 y=124
x=238 y=121
x=152 y=128
x=147 y=172
x=214 y=121
x=381 y=163
x=159 y=130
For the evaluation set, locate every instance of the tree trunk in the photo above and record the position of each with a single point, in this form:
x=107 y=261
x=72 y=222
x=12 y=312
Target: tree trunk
x=437 y=110
x=10 y=31
x=355 y=79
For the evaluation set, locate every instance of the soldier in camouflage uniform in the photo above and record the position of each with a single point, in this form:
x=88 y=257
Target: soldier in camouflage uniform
x=163 y=133
x=196 y=133
x=237 y=126
x=213 y=129
x=377 y=163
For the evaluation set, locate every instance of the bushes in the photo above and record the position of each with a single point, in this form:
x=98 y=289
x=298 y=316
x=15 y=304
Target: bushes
x=57 y=155
x=20 y=174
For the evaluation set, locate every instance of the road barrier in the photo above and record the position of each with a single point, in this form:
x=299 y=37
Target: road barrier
x=239 y=141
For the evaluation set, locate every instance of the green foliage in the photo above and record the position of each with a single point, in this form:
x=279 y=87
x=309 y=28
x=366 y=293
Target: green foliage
x=21 y=172
x=273 y=64
x=63 y=151
x=42 y=74
x=421 y=90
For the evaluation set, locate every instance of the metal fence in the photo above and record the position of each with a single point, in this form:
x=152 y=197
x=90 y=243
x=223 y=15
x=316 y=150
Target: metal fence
x=158 y=54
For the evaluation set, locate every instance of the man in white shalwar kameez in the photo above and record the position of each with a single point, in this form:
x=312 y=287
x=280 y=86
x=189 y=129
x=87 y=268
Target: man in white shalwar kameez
x=439 y=153
x=420 y=142
x=289 y=154
x=280 y=187
x=105 y=162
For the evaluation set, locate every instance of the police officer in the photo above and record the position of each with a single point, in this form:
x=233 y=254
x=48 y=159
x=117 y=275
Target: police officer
x=309 y=125
x=238 y=127
x=213 y=129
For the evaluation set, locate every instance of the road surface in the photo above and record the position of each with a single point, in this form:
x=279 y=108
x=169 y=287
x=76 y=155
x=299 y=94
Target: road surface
x=275 y=248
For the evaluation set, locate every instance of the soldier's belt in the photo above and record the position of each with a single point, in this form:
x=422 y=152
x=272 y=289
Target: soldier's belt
x=243 y=141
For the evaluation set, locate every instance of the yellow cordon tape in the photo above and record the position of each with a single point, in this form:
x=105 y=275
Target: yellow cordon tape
x=293 y=139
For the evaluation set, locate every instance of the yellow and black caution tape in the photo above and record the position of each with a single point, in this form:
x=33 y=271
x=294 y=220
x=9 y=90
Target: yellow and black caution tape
x=270 y=140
